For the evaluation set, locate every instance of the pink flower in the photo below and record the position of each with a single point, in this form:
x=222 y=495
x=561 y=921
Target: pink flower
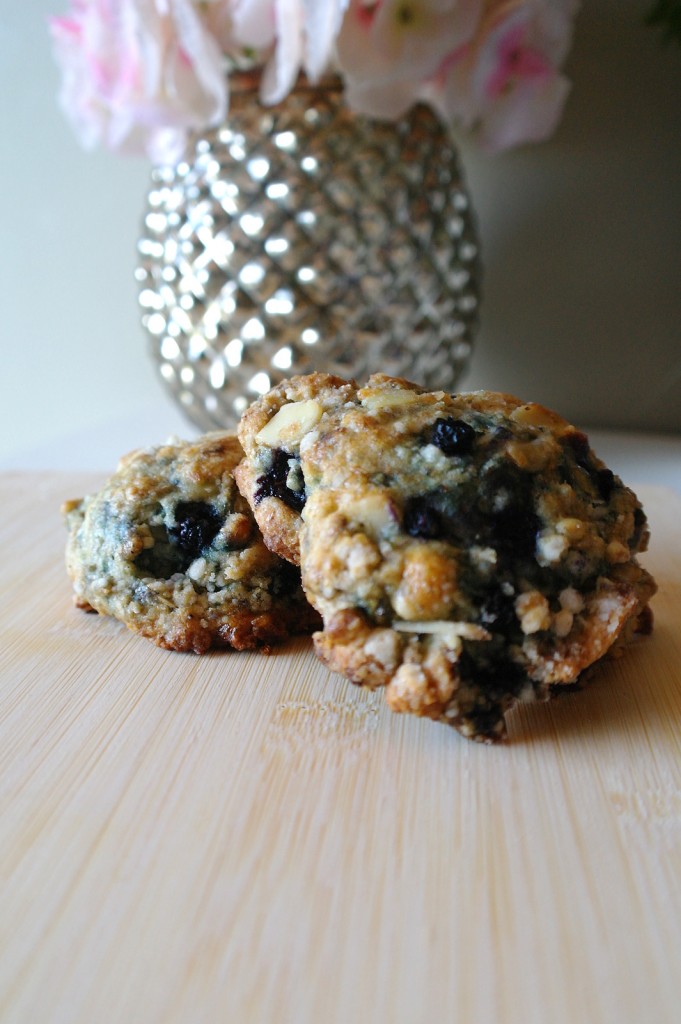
x=506 y=84
x=138 y=74
x=388 y=49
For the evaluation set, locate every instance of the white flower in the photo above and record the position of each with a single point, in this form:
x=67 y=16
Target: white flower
x=275 y=25
x=138 y=74
x=295 y=35
x=323 y=19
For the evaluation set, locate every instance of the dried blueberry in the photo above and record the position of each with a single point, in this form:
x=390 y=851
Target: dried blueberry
x=579 y=443
x=505 y=496
x=421 y=519
x=286 y=580
x=453 y=437
x=486 y=722
x=494 y=675
x=605 y=483
x=603 y=479
x=196 y=524
x=272 y=484
x=501 y=488
x=517 y=532
x=561 y=689
x=640 y=523
x=498 y=612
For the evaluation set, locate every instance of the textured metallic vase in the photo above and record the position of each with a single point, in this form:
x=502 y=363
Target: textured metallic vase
x=303 y=237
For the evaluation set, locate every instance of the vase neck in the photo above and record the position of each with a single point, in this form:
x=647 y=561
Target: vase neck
x=248 y=81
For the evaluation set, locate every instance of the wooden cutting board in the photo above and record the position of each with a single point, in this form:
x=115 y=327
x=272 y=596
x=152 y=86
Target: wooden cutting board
x=247 y=838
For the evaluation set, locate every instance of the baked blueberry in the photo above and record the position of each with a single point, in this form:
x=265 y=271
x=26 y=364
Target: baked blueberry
x=274 y=483
x=421 y=519
x=452 y=436
x=196 y=523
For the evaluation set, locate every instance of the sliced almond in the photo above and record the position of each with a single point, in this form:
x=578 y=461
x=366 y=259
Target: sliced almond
x=376 y=511
x=573 y=529
x=290 y=423
x=533 y=415
x=530 y=455
x=533 y=612
x=378 y=398
x=616 y=552
x=451 y=632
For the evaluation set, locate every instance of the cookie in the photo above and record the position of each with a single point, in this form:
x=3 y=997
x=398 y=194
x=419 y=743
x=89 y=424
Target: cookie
x=170 y=548
x=465 y=551
x=270 y=432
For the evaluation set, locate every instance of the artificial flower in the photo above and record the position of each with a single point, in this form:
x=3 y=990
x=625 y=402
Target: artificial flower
x=137 y=74
x=272 y=27
x=292 y=35
x=388 y=49
x=506 y=84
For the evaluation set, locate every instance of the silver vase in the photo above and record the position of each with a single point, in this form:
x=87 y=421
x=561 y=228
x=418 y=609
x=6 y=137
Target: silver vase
x=303 y=237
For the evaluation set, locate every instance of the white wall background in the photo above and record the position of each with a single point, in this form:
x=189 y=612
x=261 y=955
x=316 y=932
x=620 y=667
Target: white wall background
x=581 y=241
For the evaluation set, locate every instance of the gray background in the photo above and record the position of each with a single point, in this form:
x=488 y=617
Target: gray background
x=581 y=241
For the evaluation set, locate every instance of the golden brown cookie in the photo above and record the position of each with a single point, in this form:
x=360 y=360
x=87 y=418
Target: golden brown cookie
x=465 y=551
x=169 y=547
x=270 y=432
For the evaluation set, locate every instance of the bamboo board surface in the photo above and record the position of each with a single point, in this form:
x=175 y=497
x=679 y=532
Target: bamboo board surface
x=247 y=838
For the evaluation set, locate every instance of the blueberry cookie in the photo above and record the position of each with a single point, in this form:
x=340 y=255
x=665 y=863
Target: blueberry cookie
x=465 y=551
x=169 y=547
x=270 y=432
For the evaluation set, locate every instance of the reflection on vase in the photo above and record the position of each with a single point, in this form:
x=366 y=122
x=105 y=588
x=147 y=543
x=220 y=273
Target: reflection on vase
x=303 y=237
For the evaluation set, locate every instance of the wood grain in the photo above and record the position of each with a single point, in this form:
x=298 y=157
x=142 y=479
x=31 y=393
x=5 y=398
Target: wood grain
x=247 y=838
